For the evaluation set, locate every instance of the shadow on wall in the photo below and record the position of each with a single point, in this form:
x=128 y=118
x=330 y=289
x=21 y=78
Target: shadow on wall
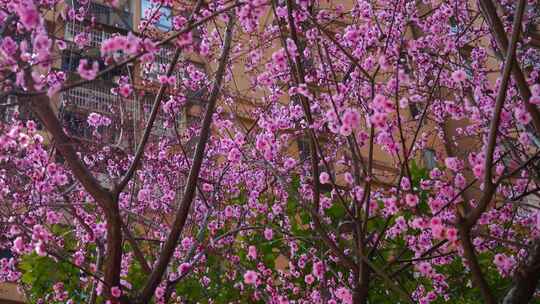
x=8 y=291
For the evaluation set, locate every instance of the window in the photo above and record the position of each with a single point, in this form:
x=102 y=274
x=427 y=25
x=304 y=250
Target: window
x=303 y=148
x=429 y=159
x=163 y=58
x=148 y=10
x=105 y=15
x=20 y=112
x=70 y=61
x=76 y=125
x=415 y=110
x=7 y=113
x=6 y=254
x=163 y=125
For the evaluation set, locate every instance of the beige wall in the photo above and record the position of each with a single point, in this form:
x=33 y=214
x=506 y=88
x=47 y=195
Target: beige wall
x=10 y=294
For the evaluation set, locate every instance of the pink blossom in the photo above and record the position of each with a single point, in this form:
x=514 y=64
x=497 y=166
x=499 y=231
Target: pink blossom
x=61 y=44
x=207 y=187
x=81 y=40
x=40 y=248
x=229 y=212
x=452 y=163
x=522 y=116
x=405 y=184
x=125 y=90
x=250 y=277
x=318 y=270
x=18 y=245
x=309 y=279
x=28 y=14
x=234 y=155
x=184 y=40
x=425 y=269
x=8 y=46
x=352 y=36
x=478 y=170
x=187 y=242
x=116 y=292
x=324 y=178
x=345 y=130
x=86 y=71
x=171 y=80
x=290 y=163
x=459 y=76
x=184 y=268
x=344 y=295
x=96 y=120
x=504 y=263
x=411 y=200
x=438 y=231
x=160 y=292
x=252 y=252
x=452 y=234
x=268 y=234
x=535 y=90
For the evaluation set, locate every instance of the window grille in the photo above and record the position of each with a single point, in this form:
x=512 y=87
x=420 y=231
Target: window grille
x=95 y=37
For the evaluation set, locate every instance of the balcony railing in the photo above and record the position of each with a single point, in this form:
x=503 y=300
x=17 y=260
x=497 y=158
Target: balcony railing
x=159 y=129
x=93 y=97
x=77 y=103
x=71 y=59
x=162 y=60
x=114 y=17
x=95 y=38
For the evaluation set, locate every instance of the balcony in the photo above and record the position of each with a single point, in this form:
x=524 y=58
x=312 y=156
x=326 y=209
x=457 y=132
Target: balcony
x=77 y=103
x=71 y=59
x=194 y=91
x=93 y=97
x=162 y=61
x=106 y=15
x=95 y=38
x=159 y=129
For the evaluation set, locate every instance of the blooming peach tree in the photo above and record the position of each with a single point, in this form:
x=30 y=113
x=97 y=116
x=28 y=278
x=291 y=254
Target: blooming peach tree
x=382 y=151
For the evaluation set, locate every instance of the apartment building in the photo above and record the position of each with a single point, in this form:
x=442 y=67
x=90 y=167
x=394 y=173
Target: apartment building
x=129 y=114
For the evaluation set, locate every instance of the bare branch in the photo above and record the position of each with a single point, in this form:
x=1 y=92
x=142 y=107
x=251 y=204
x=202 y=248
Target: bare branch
x=183 y=210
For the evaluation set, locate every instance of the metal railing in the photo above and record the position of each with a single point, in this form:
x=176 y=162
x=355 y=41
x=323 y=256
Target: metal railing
x=162 y=60
x=95 y=38
x=94 y=97
x=106 y=15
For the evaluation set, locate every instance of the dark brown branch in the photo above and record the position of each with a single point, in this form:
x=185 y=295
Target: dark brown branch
x=465 y=224
x=526 y=278
x=477 y=276
x=40 y=105
x=490 y=187
x=490 y=14
x=189 y=192
x=153 y=114
x=297 y=73
x=136 y=249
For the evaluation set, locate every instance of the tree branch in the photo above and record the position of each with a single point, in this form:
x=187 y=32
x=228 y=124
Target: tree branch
x=491 y=187
x=490 y=14
x=189 y=191
x=153 y=114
